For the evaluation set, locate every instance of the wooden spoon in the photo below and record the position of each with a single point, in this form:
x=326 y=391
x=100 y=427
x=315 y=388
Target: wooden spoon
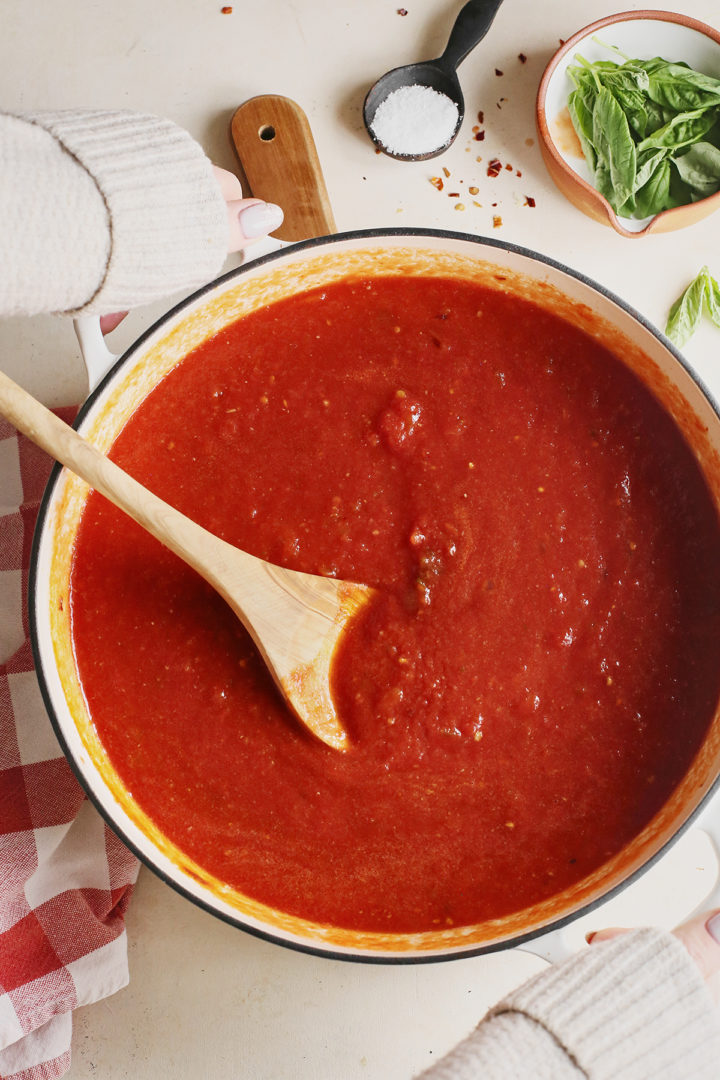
x=295 y=619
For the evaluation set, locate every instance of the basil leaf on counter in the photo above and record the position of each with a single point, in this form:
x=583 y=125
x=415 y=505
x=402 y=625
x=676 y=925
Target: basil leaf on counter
x=685 y=314
x=712 y=298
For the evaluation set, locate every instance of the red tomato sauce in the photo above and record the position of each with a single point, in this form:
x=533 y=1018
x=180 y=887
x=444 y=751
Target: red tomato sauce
x=541 y=664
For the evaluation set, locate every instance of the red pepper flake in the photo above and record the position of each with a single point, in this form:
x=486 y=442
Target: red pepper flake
x=497 y=221
x=473 y=190
x=529 y=201
x=522 y=58
x=479 y=136
x=453 y=194
x=498 y=71
x=481 y=117
x=446 y=171
x=402 y=11
x=494 y=167
x=436 y=181
x=226 y=10
x=518 y=173
x=509 y=167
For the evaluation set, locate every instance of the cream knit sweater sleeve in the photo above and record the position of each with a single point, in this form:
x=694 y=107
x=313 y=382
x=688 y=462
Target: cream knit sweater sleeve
x=633 y=1008
x=101 y=211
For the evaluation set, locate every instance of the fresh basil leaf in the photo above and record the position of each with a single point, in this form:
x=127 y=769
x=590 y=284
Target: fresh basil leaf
x=647 y=188
x=581 y=118
x=583 y=74
x=586 y=89
x=587 y=92
x=686 y=312
x=647 y=162
x=682 y=129
x=656 y=117
x=699 y=167
x=578 y=74
x=654 y=195
x=604 y=184
x=632 y=102
x=627 y=210
x=657 y=63
x=595 y=65
x=680 y=193
x=614 y=146
x=626 y=79
x=680 y=88
x=712 y=297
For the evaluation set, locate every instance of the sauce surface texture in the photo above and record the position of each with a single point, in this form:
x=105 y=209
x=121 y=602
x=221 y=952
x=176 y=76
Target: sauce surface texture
x=541 y=664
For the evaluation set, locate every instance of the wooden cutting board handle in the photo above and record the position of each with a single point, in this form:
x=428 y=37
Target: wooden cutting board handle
x=277 y=153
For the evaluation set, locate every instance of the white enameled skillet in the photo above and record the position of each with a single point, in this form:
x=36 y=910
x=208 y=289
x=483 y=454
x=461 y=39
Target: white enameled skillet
x=282 y=273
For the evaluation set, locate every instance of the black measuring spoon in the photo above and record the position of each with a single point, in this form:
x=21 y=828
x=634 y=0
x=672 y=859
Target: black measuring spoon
x=471 y=26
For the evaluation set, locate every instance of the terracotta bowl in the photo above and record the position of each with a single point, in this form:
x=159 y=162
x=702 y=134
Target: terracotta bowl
x=640 y=35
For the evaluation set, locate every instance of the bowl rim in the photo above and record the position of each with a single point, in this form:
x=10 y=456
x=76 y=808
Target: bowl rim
x=271 y=935
x=548 y=142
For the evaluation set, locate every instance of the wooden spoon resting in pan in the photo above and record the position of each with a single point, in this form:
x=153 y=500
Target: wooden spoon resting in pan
x=295 y=619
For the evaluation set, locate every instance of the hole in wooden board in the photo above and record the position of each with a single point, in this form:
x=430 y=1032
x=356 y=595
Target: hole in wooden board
x=267 y=133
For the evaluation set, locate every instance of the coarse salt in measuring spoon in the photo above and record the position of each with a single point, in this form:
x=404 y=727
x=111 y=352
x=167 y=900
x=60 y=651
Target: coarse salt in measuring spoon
x=415 y=120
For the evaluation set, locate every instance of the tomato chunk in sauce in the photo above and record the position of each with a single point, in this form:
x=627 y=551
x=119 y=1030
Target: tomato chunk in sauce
x=540 y=665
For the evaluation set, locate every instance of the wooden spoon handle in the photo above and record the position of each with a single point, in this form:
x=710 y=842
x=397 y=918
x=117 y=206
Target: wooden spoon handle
x=277 y=153
x=269 y=600
x=184 y=537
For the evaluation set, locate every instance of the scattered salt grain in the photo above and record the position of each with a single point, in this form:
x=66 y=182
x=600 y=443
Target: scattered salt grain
x=415 y=120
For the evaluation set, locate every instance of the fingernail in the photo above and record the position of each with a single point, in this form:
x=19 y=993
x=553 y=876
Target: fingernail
x=713 y=926
x=590 y=935
x=259 y=219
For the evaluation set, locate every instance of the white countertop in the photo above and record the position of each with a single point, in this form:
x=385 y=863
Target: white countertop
x=205 y=999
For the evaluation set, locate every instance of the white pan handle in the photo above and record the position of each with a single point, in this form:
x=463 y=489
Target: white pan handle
x=556 y=945
x=709 y=822
x=97 y=357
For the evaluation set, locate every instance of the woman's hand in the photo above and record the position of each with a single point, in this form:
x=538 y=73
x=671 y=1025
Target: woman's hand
x=248 y=220
x=701 y=938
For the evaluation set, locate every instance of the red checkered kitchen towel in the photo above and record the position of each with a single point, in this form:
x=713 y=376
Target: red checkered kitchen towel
x=65 y=878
